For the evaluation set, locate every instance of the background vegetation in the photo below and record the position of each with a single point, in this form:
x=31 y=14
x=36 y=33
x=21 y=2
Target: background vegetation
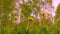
x=28 y=24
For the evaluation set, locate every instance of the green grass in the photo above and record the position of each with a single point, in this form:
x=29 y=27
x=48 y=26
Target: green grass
x=7 y=27
x=34 y=29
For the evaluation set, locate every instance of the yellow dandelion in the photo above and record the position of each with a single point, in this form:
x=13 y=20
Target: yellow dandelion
x=30 y=19
x=43 y=13
x=16 y=17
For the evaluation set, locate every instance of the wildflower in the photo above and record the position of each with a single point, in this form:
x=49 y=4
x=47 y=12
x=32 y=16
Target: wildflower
x=16 y=17
x=30 y=19
x=15 y=20
x=43 y=13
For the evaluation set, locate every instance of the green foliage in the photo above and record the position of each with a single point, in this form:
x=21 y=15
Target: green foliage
x=35 y=29
x=35 y=1
x=8 y=5
x=57 y=17
x=26 y=10
x=58 y=12
x=50 y=1
x=7 y=26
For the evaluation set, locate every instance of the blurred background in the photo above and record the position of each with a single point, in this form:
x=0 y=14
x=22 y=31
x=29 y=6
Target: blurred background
x=29 y=17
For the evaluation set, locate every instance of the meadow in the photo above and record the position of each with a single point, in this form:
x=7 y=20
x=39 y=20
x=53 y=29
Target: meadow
x=16 y=18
